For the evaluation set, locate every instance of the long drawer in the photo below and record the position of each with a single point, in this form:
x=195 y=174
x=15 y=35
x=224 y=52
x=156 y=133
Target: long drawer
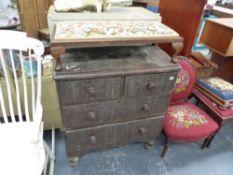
x=82 y=141
x=81 y=116
x=89 y=90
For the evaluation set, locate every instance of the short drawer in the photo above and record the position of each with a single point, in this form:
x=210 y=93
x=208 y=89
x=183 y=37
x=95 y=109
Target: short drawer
x=82 y=116
x=146 y=106
x=108 y=136
x=149 y=84
x=84 y=91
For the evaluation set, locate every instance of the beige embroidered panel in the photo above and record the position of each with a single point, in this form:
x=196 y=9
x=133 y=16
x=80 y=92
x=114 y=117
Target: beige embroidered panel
x=70 y=30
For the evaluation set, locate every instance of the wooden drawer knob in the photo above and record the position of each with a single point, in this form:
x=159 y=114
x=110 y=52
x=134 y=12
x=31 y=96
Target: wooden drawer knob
x=150 y=86
x=92 y=139
x=142 y=130
x=91 y=116
x=91 y=91
x=145 y=107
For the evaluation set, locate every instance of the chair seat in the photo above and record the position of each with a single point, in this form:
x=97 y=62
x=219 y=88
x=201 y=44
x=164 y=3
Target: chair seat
x=186 y=122
x=223 y=113
x=20 y=153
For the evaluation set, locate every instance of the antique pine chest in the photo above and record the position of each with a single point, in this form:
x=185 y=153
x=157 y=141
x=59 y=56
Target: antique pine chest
x=113 y=96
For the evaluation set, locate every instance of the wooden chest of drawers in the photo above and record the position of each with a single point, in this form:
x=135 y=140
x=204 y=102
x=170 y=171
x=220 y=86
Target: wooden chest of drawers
x=113 y=96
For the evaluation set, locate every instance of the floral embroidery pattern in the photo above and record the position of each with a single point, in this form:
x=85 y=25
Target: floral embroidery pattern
x=111 y=29
x=185 y=117
x=182 y=81
x=219 y=84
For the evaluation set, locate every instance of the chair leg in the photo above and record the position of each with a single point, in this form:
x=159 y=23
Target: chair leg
x=205 y=142
x=165 y=147
x=50 y=155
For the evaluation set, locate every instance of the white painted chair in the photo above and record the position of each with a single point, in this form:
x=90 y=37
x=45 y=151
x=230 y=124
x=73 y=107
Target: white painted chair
x=22 y=149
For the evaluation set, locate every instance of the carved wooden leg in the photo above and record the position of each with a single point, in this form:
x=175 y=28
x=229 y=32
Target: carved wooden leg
x=56 y=52
x=73 y=160
x=177 y=47
x=149 y=145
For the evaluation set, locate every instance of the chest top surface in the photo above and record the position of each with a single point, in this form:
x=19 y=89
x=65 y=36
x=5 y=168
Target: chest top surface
x=114 y=61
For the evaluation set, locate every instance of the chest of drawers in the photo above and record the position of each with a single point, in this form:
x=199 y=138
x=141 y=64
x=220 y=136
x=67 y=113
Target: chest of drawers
x=111 y=97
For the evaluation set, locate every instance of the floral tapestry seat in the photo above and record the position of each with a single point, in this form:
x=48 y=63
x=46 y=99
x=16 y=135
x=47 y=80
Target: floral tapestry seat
x=183 y=120
x=187 y=122
x=217 y=89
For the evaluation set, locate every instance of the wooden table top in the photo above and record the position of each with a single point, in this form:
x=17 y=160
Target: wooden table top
x=227 y=22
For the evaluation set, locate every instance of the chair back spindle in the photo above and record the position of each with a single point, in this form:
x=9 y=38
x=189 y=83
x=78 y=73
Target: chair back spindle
x=20 y=78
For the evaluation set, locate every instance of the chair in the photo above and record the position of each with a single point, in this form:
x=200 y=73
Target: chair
x=213 y=103
x=22 y=150
x=183 y=121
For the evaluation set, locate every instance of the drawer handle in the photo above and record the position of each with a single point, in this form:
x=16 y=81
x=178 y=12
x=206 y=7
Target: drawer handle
x=145 y=107
x=143 y=130
x=91 y=91
x=93 y=139
x=91 y=116
x=150 y=86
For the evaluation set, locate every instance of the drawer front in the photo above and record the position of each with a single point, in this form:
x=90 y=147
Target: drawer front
x=82 y=116
x=150 y=84
x=82 y=141
x=84 y=91
x=144 y=107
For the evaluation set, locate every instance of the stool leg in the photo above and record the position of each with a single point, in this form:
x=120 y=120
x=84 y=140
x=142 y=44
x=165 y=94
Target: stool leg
x=212 y=136
x=165 y=147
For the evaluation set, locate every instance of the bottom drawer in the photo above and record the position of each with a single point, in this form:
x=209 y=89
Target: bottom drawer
x=85 y=140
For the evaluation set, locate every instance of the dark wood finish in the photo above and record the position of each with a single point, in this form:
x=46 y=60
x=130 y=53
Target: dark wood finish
x=113 y=96
x=82 y=43
x=149 y=84
x=83 y=91
x=87 y=115
x=225 y=66
x=203 y=66
x=79 y=142
x=106 y=62
x=184 y=17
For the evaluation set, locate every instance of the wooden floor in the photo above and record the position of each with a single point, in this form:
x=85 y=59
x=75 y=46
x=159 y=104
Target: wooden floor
x=181 y=159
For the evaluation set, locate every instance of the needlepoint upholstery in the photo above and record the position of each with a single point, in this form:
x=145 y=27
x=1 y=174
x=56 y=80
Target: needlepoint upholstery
x=184 y=82
x=187 y=122
x=218 y=86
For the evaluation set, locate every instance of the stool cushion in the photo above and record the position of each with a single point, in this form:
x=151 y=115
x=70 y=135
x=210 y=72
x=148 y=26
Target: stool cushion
x=217 y=86
x=221 y=112
x=187 y=122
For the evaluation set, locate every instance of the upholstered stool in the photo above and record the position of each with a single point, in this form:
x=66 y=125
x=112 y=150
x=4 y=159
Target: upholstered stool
x=185 y=122
x=217 y=89
x=221 y=115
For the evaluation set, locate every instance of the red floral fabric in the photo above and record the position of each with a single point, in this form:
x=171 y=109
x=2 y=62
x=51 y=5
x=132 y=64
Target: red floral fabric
x=187 y=122
x=184 y=82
